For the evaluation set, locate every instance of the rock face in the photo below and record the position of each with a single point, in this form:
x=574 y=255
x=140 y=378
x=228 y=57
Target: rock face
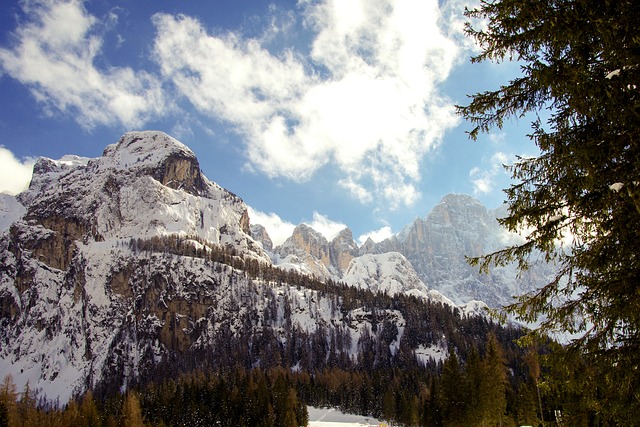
x=84 y=265
x=146 y=185
x=343 y=249
x=437 y=247
x=161 y=157
x=259 y=234
x=310 y=252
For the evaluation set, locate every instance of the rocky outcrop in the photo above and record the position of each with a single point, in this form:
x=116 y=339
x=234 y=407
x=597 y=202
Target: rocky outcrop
x=343 y=249
x=260 y=234
x=323 y=258
x=307 y=251
x=438 y=246
x=160 y=156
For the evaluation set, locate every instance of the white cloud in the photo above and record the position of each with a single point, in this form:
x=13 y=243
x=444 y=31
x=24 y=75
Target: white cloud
x=376 y=235
x=356 y=190
x=364 y=98
x=497 y=138
x=54 y=55
x=15 y=175
x=278 y=229
x=484 y=180
x=325 y=226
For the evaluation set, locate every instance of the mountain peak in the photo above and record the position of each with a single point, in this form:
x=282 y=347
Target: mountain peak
x=455 y=199
x=157 y=154
x=344 y=235
x=142 y=144
x=343 y=249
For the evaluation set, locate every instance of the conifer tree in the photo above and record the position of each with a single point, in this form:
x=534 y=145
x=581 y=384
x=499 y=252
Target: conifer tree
x=494 y=385
x=452 y=392
x=27 y=411
x=580 y=59
x=71 y=415
x=8 y=398
x=131 y=412
x=475 y=399
x=89 y=411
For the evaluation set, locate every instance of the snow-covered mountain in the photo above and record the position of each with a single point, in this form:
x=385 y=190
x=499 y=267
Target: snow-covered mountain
x=71 y=275
x=117 y=268
x=436 y=248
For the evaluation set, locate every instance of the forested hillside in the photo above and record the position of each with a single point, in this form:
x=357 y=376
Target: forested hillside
x=398 y=358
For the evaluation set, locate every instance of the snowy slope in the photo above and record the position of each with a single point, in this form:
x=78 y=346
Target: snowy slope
x=148 y=184
x=389 y=273
x=10 y=211
x=331 y=417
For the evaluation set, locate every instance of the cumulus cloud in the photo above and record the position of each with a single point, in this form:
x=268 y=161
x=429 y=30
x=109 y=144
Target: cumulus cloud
x=278 y=229
x=376 y=235
x=54 y=55
x=325 y=226
x=364 y=97
x=484 y=179
x=15 y=175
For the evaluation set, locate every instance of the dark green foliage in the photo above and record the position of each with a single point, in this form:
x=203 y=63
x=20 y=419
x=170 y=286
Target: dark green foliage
x=475 y=393
x=237 y=398
x=4 y=415
x=581 y=61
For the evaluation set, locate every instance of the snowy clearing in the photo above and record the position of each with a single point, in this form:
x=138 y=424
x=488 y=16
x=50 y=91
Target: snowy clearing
x=331 y=417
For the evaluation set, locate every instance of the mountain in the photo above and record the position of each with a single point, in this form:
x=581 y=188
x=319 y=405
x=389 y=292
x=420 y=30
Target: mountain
x=259 y=234
x=389 y=273
x=70 y=276
x=436 y=247
x=133 y=266
x=310 y=252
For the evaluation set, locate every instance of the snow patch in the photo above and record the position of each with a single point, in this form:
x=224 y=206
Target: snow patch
x=11 y=210
x=331 y=417
x=616 y=187
x=612 y=74
x=435 y=353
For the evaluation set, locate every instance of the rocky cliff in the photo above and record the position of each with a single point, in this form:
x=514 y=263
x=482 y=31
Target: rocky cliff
x=310 y=252
x=84 y=270
x=439 y=244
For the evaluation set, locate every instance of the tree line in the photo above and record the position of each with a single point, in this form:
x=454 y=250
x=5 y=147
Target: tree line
x=492 y=388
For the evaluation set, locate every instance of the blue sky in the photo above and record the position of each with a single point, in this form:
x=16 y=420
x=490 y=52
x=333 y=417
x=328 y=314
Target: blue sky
x=326 y=112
